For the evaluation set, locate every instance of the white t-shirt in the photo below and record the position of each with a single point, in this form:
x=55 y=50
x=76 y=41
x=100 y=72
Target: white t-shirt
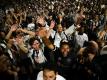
x=40 y=76
x=58 y=38
x=81 y=39
x=70 y=30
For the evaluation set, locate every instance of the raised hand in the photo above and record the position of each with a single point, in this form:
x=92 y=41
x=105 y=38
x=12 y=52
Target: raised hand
x=19 y=40
x=43 y=32
x=41 y=20
x=13 y=27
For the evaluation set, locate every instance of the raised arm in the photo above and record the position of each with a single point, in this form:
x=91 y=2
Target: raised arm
x=21 y=44
x=12 y=29
x=47 y=42
x=31 y=33
x=52 y=25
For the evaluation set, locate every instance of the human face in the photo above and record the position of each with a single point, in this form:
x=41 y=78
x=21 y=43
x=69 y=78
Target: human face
x=36 y=45
x=49 y=75
x=65 y=49
x=60 y=29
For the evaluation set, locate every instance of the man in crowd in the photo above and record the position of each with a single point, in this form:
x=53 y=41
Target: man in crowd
x=49 y=73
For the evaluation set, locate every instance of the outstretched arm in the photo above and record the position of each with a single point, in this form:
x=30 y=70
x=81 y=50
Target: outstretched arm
x=31 y=33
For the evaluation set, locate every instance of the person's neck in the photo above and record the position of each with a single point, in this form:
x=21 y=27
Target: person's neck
x=60 y=32
x=37 y=49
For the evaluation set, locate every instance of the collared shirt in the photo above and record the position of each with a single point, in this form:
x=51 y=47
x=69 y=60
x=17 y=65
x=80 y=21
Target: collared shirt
x=40 y=56
x=40 y=76
x=81 y=38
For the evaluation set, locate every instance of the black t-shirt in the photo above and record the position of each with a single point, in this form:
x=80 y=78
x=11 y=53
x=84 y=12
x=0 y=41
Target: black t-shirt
x=64 y=62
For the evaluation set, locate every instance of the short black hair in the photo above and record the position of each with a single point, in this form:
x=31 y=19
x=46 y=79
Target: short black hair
x=64 y=43
x=31 y=41
x=50 y=66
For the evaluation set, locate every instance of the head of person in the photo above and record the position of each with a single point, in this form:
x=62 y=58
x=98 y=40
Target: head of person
x=96 y=17
x=35 y=43
x=91 y=51
x=18 y=34
x=82 y=28
x=49 y=72
x=93 y=47
x=65 y=48
x=59 y=28
x=50 y=16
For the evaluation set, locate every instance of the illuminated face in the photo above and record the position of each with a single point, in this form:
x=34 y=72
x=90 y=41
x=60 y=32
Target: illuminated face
x=36 y=45
x=65 y=49
x=59 y=29
x=49 y=75
x=50 y=17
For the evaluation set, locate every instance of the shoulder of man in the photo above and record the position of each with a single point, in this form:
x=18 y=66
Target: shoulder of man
x=59 y=77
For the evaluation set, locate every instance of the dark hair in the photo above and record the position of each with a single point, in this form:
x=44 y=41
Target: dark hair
x=29 y=19
x=90 y=48
x=51 y=67
x=15 y=34
x=31 y=41
x=64 y=43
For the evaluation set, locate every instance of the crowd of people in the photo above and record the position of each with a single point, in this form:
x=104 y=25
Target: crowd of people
x=53 y=40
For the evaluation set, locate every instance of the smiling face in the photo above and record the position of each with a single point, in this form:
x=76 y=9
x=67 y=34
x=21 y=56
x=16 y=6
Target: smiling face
x=65 y=49
x=49 y=75
x=59 y=28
